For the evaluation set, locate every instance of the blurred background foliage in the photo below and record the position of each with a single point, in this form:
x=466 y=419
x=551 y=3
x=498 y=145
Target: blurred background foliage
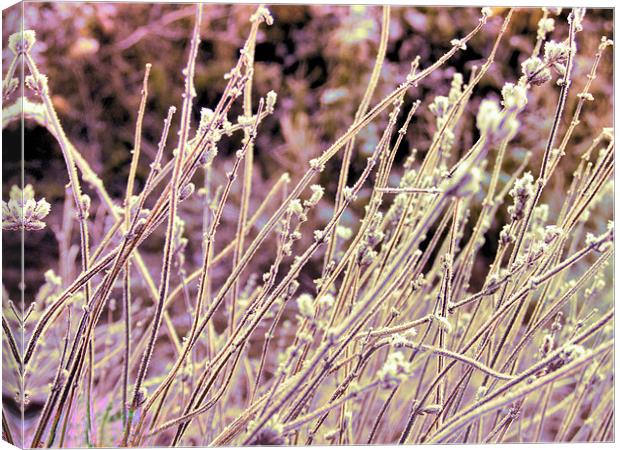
x=317 y=58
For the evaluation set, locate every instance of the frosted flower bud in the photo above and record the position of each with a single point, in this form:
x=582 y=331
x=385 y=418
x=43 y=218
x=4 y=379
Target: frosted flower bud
x=571 y=352
x=399 y=340
x=344 y=232
x=521 y=192
x=38 y=85
x=319 y=235
x=296 y=208
x=326 y=301
x=586 y=96
x=11 y=87
x=556 y=52
x=460 y=44
x=206 y=117
x=487 y=11
x=440 y=106
x=465 y=181
x=443 y=323
x=456 y=87
x=514 y=97
x=395 y=369
x=141 y=396
x=207 y=156
x=271 y=101
x=535 y=71
x=488 y=116
x=349 y=194
x=551 y=232
x=262 y=14
x=561 y=70
x=315 y=164
x=577 y=18
x=24 y=212
x=317 y=194
x=186 y=191
x=305 y=303
x=545 y=26
x=505 y=237
x=85 y=203
x=22 y=42
x=430 y=409
x=246 y=121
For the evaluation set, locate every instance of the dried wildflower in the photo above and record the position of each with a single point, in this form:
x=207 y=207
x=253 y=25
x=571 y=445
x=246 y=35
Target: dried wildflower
x=349 y=193
x=319 y=235
x=22 y=42
x=586 y=96
x=22 y=211
x=521 y=192
x=535 y=71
